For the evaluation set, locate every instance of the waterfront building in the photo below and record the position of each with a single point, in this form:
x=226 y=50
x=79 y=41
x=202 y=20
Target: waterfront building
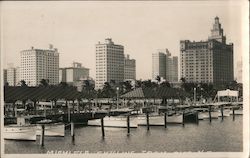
x=38 y=64
x=109 y=63
x=129 y=68
x=164 y=65
x=72 y=74
x=208 y=61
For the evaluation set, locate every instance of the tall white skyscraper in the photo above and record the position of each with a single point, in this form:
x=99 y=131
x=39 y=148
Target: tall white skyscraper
x=109 y=62
x=165 y=66
x=38 y=64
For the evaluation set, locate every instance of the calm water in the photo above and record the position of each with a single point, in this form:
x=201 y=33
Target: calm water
x=219 y=136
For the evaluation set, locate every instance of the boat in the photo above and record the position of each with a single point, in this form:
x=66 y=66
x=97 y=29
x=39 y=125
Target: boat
x=20 y=131
x=53 y=129
x=158 y=120
x=238 y=112
x=226 y=113
x=114 y=121
x=205 y=115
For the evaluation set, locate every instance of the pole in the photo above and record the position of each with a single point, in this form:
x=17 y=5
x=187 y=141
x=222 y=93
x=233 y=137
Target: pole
x=197 y=117
x=72 y=131
x=117 y=102
x=183 y=124
x=147 y=120
x=233 y=115
x=222 y=115
x=102 y=125
x=165 y=120
x=209 y=111
x=128 y=125
x=42 y=136
x=68 y=110
x=194 y=95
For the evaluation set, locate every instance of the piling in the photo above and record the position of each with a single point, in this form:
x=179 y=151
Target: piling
x=233 y=115
x=72 y=128
x=183 y=124
x=165 y=120
x=209 y=111
x=147 y=121
x=221 y=110
x=42 y=136
x=197 y=117
x=102 y=126
x=128 y=124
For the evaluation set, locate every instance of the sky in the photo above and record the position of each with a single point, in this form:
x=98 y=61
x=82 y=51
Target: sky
x=141 y=27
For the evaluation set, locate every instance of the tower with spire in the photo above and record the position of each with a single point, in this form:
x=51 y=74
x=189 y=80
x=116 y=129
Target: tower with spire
x=217 y=31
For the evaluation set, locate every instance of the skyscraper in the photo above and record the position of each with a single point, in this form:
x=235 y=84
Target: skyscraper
x=129 y=68
x=109 y=62
x=208 y=61
x=13 y=76
x=165 y=66
x=38 y=64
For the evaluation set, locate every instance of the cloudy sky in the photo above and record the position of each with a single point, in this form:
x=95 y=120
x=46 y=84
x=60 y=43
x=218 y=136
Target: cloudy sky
x=142 y=27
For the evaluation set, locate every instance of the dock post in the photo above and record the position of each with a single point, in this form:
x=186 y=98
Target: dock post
x=42 y=136
x=209 y=111
x=128 y=124
x=72 y=128
x=233 y=115
x=183 y=124
x=102 y=125
x=165 y=120
x=147 y=121
x=221 y=110
x=197 y=117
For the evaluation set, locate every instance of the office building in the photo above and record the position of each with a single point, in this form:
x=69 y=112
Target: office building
x=164 y=65
x=109 y=63
x=72 y=74
x=208 y=61
x=239 y=71
x=129 y=68
x=38 y=64
x=4 y=76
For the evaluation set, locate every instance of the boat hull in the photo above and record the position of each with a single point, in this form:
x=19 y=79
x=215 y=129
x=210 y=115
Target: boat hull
x=20 y=133
x=226 y=113
x=159 y=120
x=114 y=121
x=205 y=115
x=52 y=130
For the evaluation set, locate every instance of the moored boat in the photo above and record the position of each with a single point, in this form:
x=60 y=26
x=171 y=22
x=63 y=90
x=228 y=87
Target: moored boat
x=53 y=129
x=205 y=115
x=114 y=121
x=20 y=132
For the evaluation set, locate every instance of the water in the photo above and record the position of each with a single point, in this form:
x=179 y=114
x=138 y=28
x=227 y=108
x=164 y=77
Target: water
x=219 y=136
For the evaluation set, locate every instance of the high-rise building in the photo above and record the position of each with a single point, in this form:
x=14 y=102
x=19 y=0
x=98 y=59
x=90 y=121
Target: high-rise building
x=72 y=74
x=129 y=68
x=12 y=75
x=38 y=64
x=4 y=76
x=109 y=63
x=165 y=66
x=208 y=61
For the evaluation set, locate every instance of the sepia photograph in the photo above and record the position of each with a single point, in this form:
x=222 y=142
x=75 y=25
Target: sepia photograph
x=125 y=78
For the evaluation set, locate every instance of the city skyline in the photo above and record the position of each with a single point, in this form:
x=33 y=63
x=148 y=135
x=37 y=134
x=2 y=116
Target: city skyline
x=76 y=39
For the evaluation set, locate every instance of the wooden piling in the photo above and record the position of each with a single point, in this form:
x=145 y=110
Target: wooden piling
x=128 y=124
x=147 y=121
x=197 y=117
x=209 y=111
x=42 y=135
x=221 y=110
x=102 y=126
x=183 y=124
x=165 y=120
x=72 y=128
x=233 y=115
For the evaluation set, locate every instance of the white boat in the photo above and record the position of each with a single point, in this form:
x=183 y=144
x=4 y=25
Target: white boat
x=158 y=120
x=238 y=112
x=114 y=121
x=20 y=132
x=54 y=129
x=226 y=113
x=205 y=115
